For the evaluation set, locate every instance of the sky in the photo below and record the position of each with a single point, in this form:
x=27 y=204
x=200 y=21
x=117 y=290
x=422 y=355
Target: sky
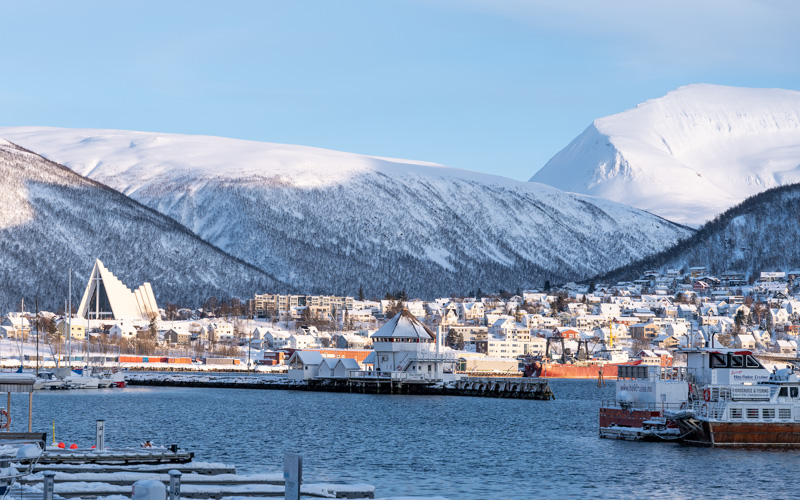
x=496 y=86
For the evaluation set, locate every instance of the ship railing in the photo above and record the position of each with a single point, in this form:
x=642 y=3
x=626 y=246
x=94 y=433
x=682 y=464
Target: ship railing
x=648 y=406
x=654 y=373
x=712 y=410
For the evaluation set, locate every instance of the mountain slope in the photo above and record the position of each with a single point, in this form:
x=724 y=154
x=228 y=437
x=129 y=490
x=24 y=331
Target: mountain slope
x=53 y=219
x=327 y=221
x=687 y=156
x=759 y=234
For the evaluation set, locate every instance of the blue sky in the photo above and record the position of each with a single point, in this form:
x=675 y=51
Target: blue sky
x=496 y=86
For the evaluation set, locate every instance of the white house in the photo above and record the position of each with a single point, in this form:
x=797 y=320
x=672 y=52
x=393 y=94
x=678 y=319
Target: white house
x=299 y=341
x=276 y=339
x=745 y=342
x=344 y=367
x=220 y=332
x=325 y=369
x=122 y=330
x=304 y=365
x=785 y=347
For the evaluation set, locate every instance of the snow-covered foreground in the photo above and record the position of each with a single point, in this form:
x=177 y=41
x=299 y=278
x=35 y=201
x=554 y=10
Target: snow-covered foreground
x=687 y=156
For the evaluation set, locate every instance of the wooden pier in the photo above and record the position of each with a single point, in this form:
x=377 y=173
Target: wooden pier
x=116 y=457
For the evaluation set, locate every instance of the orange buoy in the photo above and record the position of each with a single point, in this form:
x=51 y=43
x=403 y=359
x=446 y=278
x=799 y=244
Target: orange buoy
x=73 y=446
x=93 y=446
x=62 y=445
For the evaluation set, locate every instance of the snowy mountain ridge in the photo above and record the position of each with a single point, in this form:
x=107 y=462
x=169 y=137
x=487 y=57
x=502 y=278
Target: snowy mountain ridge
x=54 y=219
x=748 y=238
x=687 y=156
x=327 y=222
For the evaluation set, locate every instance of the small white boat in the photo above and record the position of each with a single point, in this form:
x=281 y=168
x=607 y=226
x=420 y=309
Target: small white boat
x=48 y=380
x=82 y=382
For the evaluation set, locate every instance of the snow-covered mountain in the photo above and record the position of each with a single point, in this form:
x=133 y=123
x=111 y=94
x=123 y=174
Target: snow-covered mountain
x=759 y=234
x=328 y=222
x=687 y=156
x=53 y=219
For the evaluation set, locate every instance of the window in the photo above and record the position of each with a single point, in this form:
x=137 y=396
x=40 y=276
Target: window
x=768 y=413
x=752 y=413
x=793 y=391
x=752 y=362
x=785 y=413
x=737 y=361
x=736 y=413
x=718 y=361
x=784 y=392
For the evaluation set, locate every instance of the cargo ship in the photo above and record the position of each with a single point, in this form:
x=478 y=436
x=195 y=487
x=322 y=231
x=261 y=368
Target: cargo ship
x=591 y=369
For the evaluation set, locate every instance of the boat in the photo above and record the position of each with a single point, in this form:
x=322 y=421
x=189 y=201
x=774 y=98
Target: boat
x=590 y=369
x=644 y=393
x=48 y=380
x=738 y=402
x=80 y=381
x=118 y=378
x=722 y=397
x=579 y=364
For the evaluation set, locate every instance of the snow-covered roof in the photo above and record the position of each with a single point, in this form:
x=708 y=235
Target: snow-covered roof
x=308 y=357
x=349 y=364
x=404 y=325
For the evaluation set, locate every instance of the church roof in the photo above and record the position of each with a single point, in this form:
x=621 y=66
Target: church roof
x=404 y=326
x=115 y=300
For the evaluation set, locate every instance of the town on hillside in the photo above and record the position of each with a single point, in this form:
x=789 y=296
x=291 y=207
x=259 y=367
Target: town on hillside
x=645 y=320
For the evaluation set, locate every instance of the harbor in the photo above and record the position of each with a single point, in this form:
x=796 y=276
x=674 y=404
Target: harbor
x=376 y=440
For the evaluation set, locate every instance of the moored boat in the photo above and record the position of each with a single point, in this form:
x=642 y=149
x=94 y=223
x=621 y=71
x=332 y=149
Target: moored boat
x=737 y=402
x=723 y=397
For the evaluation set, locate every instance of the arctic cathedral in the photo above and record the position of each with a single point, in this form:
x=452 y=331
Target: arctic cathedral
x=107 y=298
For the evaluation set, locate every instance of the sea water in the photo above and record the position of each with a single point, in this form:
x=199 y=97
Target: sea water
x=456 y=447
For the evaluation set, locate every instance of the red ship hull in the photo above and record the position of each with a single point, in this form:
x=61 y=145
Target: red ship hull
x=625 y=418
x=556 y=370
x=746 y=434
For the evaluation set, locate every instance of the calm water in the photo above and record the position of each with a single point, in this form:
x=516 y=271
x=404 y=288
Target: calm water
x=458 y=447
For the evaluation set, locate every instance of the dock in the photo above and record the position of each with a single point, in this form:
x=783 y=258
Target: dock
x=500 y=387
x=199 y=486
x=116 y=457
x=95 y=474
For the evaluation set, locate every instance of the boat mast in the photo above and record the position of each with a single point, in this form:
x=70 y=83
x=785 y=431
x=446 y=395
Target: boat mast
x=69 y=324
x=37 y=336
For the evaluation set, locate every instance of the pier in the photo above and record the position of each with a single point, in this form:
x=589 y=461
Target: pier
x=499 y=387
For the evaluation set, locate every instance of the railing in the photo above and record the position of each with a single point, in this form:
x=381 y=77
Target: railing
x=652 y=406
x=392 y=376
x=654 y=373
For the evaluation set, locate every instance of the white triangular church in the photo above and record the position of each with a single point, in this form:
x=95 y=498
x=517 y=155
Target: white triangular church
x=107 y=298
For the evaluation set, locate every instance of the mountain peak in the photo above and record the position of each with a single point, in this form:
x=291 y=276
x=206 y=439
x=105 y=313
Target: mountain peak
x=688 y=155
